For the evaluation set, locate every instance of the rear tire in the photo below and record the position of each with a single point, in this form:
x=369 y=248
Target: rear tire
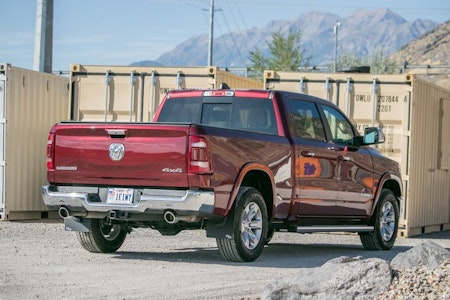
x=249 y=228
x=102 y=237
x=386 y=224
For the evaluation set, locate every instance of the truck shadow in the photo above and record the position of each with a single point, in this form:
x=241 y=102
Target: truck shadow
x=275 y=255
x=310 y=256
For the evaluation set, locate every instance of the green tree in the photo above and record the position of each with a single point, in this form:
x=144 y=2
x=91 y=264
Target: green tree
x=381 y=63
x=347 y=60
x=258 y=63
x=285 y=54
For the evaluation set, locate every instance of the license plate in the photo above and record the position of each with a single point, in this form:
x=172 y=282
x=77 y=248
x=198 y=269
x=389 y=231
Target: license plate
x=120 y=196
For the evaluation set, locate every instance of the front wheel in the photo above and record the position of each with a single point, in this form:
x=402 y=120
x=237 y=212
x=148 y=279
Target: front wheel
x=386 y=224
x=102 y=236
x=249 y=228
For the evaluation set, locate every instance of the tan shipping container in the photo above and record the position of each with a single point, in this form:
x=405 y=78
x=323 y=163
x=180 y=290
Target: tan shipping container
x=415 y=117
x=132 y=94
x=30 y=103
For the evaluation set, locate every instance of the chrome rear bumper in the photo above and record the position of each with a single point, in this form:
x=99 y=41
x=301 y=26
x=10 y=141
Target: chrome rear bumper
x=93 y=199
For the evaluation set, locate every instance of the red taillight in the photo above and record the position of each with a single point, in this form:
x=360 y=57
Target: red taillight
x=199 y=161
x=50 y=151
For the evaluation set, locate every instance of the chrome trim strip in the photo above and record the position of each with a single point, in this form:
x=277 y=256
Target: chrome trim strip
x=337 y=228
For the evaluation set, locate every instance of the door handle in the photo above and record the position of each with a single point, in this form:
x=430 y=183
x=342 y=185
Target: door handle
x=344 y=158
x=336 y=148
x=308 y=154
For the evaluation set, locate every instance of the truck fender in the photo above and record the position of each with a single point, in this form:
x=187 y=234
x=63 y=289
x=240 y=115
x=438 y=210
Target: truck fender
x=382 y=183
x=225 y=228
x=240 y=178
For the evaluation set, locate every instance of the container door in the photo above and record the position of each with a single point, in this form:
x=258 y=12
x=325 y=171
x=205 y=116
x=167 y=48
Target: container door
x=2 y=144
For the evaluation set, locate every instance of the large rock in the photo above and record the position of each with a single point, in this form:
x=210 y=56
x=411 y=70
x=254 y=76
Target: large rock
x=428 y=254
x=340 y=278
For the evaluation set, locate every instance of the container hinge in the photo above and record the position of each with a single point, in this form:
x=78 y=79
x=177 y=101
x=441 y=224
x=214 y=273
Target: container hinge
x=349 y=85
x=327 y=86
x=2 y=120
x=153 y=77
x=302 y=85
x=179 y=80
x=2 y=163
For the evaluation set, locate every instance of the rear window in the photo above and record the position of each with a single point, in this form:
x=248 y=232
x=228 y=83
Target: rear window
x=250 y=114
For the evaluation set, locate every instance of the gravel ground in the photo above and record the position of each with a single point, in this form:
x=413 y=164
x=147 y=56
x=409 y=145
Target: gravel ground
x=420 y=283
x=39 y=260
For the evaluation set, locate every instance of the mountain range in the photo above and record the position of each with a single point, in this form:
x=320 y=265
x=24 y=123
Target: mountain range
x=431 y=49
x=359 y=34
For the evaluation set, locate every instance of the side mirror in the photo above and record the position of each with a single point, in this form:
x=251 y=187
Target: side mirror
x=373 y=135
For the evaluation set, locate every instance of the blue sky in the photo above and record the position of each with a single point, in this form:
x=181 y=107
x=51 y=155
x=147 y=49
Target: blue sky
x=114 y=32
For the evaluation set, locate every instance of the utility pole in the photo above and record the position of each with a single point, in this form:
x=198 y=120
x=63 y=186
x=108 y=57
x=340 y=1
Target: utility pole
x=211 y=33
x=43 y=42
x=336 y=44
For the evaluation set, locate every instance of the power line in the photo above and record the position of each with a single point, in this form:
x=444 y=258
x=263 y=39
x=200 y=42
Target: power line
x=233 y=39
x=240 y=14
x=230 y=9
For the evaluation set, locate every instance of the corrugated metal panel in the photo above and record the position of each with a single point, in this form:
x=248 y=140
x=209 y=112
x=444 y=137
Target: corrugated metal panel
x=233 y=81
x=429 y=179
x=444 y=145
x=414 y=115
x=127 y=93
x=33 y=102
x=2 y=140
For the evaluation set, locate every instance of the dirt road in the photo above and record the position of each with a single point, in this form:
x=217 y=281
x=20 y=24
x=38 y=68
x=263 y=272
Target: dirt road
x=42 y=261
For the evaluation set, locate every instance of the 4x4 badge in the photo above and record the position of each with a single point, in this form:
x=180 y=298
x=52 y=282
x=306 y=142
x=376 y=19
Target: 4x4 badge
x=116 y=151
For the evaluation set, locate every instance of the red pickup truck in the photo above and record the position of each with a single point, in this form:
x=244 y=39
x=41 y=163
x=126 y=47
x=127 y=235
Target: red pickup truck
x=240 y=164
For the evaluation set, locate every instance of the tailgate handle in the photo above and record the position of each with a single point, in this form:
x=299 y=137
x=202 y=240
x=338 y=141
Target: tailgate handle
x=116 y=133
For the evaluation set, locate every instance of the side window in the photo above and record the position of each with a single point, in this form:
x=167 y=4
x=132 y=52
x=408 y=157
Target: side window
x=341 y=130
x=306 y=120
x=254 y=114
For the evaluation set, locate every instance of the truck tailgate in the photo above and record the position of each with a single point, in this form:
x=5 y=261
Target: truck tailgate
x=120 y=154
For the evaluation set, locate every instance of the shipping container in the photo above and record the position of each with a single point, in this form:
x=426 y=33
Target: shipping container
x=132 y=94
x=30 y=103
x=415 y=117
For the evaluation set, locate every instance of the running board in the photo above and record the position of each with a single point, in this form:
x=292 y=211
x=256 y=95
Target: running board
x=343 y=228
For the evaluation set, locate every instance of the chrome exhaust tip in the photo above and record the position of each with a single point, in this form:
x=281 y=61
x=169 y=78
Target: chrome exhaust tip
x=63 y=212
x=170 y=217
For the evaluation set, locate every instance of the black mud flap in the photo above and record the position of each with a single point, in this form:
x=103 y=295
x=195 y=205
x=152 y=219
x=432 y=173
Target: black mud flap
x=220 y=230
x=77 y=224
